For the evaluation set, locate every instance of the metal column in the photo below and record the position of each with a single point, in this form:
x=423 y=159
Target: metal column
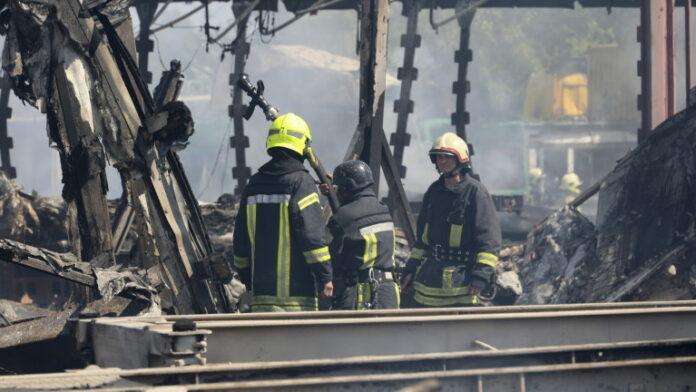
x=144 y=45
x=463 y=56
x=669 y=42
x=653 y=67
x=407 y=75
x=6 y=142
x=687 y=47
x=240 y=48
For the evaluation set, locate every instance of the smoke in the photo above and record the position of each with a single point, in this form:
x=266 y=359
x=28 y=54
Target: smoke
x=507 y=44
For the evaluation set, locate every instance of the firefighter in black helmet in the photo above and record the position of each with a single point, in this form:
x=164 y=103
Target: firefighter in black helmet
x=458 y=234
x=362 y=248
x=279 y=244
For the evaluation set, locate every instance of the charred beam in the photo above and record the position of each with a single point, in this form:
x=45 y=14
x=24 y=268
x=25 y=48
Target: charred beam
x=6 y=142
x=374 y=15
x=656 y=60
x=83 y=161
x=407 y=74
x=63 y=265
x=144 y=45
x=463 y=56
x=109 y=98
x=239 y=142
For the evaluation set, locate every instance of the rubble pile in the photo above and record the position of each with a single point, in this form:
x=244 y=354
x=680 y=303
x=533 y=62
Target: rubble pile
x=130 y=284
x=35 y=227
x=13 y=313
x=553 y=255
x=642 y=243
x=35 y=220
x=509 y=287
x=219 y=220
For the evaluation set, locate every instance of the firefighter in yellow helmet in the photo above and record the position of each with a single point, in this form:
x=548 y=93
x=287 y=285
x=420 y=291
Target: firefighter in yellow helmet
x=280 y=249
x=458 y=235
x=570 y=186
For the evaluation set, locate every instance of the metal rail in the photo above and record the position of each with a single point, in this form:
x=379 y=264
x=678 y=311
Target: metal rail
x=238 y=338
x=420 y=312
x=668 y=374
x=376 y=365
x=660 y=374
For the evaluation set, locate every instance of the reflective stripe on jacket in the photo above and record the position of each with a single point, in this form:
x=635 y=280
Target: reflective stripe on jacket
x=458 y=234
x=279 y=245
x=363 y=239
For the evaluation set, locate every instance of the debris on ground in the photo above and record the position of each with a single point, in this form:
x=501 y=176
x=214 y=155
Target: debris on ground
x=135 y=295
x=642 y=243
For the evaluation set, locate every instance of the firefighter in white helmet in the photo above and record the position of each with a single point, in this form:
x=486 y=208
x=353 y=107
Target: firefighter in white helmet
x=458 y=235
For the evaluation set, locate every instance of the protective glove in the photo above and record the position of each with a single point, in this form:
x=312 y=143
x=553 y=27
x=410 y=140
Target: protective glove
x=483 y=282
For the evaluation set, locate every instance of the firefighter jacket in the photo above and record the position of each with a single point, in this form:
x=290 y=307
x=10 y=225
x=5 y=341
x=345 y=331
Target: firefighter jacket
x=279 y=243
x=458 y=240
x=362 y=252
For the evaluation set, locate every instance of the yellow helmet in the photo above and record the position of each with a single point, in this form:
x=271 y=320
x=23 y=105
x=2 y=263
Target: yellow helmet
x=535 y=173
x=452 y=145
x=289 y=131
x=570 y=182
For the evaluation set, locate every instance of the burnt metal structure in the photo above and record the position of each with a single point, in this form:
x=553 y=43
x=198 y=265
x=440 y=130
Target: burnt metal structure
x=656 y=65
x=239 y=142
x=373 y=73
x=369 y=142
x=139 y=135
x=460 y=118
x=144 y=44
x=407 y=74
x=83 y=162
x=6 y=142
x=651 y=68
x=655 y=101
x=687 y=50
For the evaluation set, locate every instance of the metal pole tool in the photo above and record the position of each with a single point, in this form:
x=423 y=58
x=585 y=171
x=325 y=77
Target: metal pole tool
x=271 y=113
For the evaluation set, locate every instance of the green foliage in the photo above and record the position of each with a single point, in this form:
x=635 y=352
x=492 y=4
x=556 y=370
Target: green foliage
x=510 y=44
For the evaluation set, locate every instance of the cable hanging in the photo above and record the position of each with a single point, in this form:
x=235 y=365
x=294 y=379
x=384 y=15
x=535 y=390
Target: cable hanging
x=470 y=8
x=177 y=20
x=241 y=16
x=320 y=4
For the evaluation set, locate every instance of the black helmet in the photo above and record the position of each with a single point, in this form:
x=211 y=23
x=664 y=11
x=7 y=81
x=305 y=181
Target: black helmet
x=352 y=176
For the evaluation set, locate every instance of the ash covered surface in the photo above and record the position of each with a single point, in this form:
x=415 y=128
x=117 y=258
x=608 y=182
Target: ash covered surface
x=12 y=312
x=46 y=327
x=123 y=290
x=642 y=245
x=32 y=219
x=219 y=220
x=553 y=255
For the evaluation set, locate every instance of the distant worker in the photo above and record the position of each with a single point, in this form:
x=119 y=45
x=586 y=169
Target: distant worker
x=279 y=243
x=362 y=249
x=458 y=235
x=570 y=186
x=537 y=186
